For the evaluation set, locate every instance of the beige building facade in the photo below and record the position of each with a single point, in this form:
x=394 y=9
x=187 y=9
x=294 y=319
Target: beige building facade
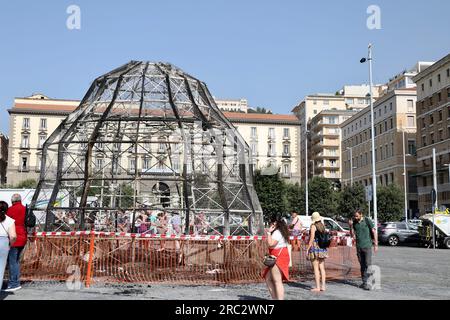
x=349 y=98
x=395 y=122
x=273 y=139
x=232 y=105
x=325 y=147
x=433 y=132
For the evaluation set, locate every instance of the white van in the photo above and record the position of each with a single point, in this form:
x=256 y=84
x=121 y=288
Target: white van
x=329 y=223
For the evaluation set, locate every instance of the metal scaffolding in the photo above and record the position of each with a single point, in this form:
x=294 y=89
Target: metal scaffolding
x=147 y=136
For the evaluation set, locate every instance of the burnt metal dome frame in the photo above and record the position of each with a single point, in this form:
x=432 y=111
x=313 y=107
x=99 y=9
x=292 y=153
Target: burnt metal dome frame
x=214 y=184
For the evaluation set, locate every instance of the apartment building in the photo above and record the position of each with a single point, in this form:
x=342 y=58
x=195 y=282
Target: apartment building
x=325 y=148
x=433 y=132
x=273 y=139
x=349 y=98
x=404 y=80
x=395 y=130
x=32 y=120
x=232 y=105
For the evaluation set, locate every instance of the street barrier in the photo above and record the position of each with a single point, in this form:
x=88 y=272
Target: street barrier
x=99 y=257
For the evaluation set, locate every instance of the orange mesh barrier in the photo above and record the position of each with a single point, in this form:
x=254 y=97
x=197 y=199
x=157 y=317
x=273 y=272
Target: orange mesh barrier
x=125 y=259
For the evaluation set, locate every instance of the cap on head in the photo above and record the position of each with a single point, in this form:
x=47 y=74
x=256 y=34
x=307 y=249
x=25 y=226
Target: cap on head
x=316 y=217
x=16 y=198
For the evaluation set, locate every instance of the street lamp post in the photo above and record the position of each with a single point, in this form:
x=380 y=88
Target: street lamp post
x=404 y=178
x=306 y=171
x=374 y=174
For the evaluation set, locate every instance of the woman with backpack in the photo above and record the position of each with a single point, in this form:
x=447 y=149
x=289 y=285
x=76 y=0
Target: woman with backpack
x=278 y=270
x=7 y=237
x=319 y=241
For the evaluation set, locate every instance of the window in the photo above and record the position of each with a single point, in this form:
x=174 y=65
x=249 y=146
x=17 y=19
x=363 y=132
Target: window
x=254 y=148
x=253 y=132
x=381 y=153
x=326 y=103
x=432 y=138
x=99 y=163
x=431 y=119
x=439 y=78
x=132 y=164
x=440 y=115
x=26 y=123
x=412 y=147
x=439 y=96
x=423 y=87
x=361 y=101
x=286 y=169
x=410 y=106
x=146 y=163
x=431 y=83
x=440 y=135
x=43 y=124
x=25 y=141
x=424 y=141
x=392 y=149
x=42 y=139
x=271 y=133
x=286 y=133
x=448 y=73
x=38 y=162
x=411 y=123
x=24 y=164
x=286 y=150
x=161 y=148
x=271 y=149
x=349 y=101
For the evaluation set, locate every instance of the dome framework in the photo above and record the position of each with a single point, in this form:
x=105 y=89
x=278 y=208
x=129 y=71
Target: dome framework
x=147 y=136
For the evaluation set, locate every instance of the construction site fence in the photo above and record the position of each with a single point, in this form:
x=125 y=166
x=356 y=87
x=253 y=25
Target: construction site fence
x=108 y=258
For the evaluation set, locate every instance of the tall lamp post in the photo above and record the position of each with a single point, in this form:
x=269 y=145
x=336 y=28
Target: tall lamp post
x=372 y=120
x=306 y=172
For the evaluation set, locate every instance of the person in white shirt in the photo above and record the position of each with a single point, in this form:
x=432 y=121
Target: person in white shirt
x=277 y=239
x=7 y=237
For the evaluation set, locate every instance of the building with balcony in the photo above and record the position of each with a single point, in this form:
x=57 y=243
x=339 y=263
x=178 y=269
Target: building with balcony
x=232 y=105
x=325 y=147
x=395 y=130
x=273 y=139
x=349 y=98
x=433 y=132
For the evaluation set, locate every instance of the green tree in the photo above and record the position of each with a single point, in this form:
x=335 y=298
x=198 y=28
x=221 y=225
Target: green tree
x=294 y=198
x=27 y=184
x=390 y=203
x=350 y=199
x=271 y=194
x=322 y=197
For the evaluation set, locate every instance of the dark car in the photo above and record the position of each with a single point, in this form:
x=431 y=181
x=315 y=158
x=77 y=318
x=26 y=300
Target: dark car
x=394 y=233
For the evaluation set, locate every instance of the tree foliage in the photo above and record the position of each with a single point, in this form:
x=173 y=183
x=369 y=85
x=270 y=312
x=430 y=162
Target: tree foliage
x=390 y=203
x=352 y=198
x=27 y=184
x=271 y=194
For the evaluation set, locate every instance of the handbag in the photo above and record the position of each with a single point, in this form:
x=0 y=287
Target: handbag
x=7 y=233
x=270 y=260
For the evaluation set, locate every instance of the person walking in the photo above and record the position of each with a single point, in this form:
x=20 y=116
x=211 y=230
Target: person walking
x=296 y=225
x=7 y=238
x=363 y=229
x=17 y=213
x=277 y=238
x=315 y=253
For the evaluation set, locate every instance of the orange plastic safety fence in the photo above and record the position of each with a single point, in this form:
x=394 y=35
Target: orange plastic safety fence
x=177 y=261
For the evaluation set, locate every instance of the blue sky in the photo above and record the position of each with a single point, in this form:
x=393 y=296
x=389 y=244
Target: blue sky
x=271 y=52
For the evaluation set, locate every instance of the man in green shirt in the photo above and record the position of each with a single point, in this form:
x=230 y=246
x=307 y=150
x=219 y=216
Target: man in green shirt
x=363 y=229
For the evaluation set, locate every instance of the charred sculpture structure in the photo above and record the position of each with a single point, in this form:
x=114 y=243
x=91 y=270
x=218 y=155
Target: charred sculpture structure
x=147 y=135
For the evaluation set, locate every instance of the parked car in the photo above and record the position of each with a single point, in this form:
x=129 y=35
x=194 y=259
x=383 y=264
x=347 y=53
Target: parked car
x=395 y=233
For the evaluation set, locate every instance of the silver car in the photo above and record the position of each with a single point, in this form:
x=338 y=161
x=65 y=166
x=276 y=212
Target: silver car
x=394 y=233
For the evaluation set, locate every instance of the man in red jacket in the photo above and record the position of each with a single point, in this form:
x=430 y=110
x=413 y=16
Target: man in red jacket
x=16 y=212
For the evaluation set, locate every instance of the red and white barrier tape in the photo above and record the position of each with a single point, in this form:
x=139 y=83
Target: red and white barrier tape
x=162 y=236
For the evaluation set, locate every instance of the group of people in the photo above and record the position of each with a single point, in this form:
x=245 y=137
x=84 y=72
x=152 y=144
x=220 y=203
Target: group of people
x=13 y=238
x=362 y=229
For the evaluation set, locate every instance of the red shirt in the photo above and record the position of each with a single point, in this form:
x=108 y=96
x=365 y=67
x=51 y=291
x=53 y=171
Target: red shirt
x=17 y=212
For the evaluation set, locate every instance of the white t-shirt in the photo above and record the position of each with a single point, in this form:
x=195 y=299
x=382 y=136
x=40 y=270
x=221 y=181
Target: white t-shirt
x=6 y=225
x=276 y=235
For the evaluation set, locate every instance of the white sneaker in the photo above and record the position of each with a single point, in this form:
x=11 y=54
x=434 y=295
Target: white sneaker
x=12 y=289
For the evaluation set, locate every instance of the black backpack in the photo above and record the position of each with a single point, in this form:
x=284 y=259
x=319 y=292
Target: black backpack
x=30 y=218
x=323 y=239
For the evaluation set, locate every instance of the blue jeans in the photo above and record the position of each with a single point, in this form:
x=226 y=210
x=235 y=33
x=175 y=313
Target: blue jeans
x=4 y=249
x=14 y=267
